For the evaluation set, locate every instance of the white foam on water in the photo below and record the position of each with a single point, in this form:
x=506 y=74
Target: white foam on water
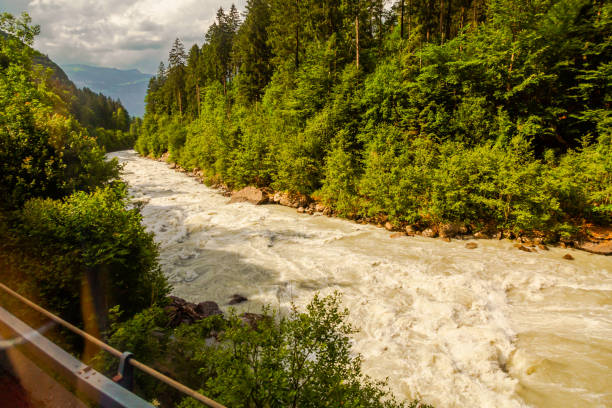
x=488 y=327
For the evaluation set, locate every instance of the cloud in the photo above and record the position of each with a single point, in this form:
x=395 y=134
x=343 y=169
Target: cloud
x=118 y=33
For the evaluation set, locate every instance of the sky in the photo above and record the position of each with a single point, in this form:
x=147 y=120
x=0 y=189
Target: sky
x=120 y=34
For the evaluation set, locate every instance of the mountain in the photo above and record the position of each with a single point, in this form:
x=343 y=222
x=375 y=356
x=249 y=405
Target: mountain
x=92 y=110
x=130 y=86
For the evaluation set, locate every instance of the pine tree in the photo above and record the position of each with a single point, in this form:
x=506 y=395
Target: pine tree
x=252 y=52
x=176 y=71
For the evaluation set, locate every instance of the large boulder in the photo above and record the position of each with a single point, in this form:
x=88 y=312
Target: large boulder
x=252 y=195
x=598 y=241
x=207 y=309
x=600 y=248
x=449 y=230
x=294 y=200
x=180 y=311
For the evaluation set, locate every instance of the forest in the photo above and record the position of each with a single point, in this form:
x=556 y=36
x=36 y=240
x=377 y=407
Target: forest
x=72 y=241
x=490 y=114
x=105 y=119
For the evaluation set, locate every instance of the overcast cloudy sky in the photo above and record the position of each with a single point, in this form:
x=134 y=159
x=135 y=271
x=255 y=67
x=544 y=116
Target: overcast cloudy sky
x=117 y=33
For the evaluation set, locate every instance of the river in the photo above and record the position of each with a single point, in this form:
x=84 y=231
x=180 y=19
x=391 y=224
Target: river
x=456 y=327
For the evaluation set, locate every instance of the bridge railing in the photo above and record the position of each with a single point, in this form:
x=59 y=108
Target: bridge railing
x=109 y=394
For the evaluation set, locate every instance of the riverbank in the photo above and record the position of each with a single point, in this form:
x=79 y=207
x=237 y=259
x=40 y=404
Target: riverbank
x=591 y=238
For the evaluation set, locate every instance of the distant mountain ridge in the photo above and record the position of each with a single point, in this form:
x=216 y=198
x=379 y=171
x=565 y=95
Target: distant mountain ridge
x=130 y=86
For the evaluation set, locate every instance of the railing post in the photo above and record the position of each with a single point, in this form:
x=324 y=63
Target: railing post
x=125 y=373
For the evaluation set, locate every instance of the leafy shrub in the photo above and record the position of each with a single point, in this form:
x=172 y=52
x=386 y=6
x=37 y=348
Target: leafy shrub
x=90 y=243
x=303 y=359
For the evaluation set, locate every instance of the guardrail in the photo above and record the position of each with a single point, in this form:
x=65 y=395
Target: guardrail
x=127 y=362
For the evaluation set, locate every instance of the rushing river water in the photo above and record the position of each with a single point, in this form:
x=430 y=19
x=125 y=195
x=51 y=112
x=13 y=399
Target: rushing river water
x=457 y=327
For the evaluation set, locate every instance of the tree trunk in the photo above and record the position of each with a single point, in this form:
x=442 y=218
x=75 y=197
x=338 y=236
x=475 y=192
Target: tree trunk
x=441 y=21
x=409 y=16
x=402 y=20
x=94 y=307
x=198 y=98
x=297 y=34
x=357 y=38
x=447 y=24
x=180 y=104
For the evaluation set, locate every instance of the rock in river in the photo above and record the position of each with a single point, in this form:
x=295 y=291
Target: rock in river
x=249 y=194
x=237 y=299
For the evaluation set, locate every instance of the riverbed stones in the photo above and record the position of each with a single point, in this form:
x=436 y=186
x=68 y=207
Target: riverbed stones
x=429 y=233
x=600 y=248
x=481 y=235
x=388 y=226
x=180 y=311
x=208 y=308
x=237 y=299
x=449 y=230
x=397 y=234
x=252 y=195
x=568 y=257
x=471 y=245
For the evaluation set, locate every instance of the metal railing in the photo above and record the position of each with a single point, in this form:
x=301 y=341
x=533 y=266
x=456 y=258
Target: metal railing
x=127 y=362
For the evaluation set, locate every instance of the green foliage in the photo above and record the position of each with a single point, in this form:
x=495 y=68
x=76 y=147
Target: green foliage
x=303 y=359
x=43 y=151
x=90 y=235
x=68 y=236
x=495 y=113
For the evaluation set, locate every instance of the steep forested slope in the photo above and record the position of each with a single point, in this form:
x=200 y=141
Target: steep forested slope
x=105 y=118
x=493 y=115
x=128 y=86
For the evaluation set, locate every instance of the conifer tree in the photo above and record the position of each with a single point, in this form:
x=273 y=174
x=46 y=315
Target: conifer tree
x=252 y=53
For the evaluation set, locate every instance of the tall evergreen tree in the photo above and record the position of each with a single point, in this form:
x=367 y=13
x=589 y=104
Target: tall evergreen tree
x=176 y=71
x=252 y=53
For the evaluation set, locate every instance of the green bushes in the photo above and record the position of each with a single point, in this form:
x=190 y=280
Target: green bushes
x=113 y=140
x=303 y=359
x=89 y=242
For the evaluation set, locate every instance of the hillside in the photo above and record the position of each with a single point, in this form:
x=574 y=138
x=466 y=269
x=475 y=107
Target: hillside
x=129 y=86
x=416 y=117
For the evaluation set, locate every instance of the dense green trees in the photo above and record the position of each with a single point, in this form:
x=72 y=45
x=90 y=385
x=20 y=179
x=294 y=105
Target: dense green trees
x=493 y=113
x=68 y=238
x=43 y=150
x=71 y=240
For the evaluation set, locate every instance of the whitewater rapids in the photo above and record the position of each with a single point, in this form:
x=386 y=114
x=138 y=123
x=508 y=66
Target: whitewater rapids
x=456 y=327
